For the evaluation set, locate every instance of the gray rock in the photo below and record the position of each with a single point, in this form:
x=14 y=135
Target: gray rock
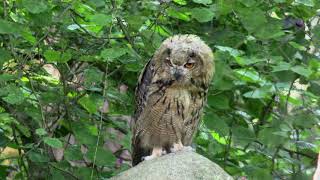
x=183 y=165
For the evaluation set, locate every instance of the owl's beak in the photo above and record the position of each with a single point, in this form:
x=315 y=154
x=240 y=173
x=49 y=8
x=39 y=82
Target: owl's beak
x=177 y=74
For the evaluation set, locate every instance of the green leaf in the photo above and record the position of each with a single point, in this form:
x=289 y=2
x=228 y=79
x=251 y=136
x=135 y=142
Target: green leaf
x=97 y=3
x=7 y=27
x=249 y=75
x=112 y=53
x=255 y=172
x=316 y=33
x=233 y=52
x=219 y=101
x=53 y=142
x=309 y=3
x=224 y=7
x=103 y=157
x=83 y=134
x=306 y=145
x=272 y=30
x=242 y=135
x=41 y=132
x=248 y=3
x=269 y=137
x=252 y=19
x=304 y=120
x=57 y=56
x=175 y=13
x=73 y=153
x=205 y=2
x=37 y=157
x=302 y=70
x=297 y=46
x=180 y=2
x=23 y=129
x=216 y=123
x=263 y=92
x=101 y=19
x=281 y=66
x=90 y=102
x=3 y=140
x=35 y=6
x=92 y=77
x=249 y=60
x=4 y=55
x=202 y=14
x=7 y=77
x=14 y=95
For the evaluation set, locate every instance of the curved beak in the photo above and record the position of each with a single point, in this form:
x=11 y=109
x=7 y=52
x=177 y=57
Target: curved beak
x=177 y=74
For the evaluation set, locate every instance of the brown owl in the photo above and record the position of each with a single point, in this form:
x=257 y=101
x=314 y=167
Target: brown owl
x=170 y=95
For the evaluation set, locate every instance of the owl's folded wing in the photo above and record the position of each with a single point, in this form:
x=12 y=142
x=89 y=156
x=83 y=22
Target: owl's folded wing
x=142 y=89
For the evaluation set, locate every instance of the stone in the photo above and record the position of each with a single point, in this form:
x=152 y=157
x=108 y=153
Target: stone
x=182 y=165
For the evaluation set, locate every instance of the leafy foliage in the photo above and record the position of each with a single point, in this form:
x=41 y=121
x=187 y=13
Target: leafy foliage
x=69 y=68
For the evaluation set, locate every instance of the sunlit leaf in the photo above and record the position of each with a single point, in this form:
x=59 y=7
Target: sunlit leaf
x=180 y=2
x=205 y=2
x=305 y=2
x=301 y=70
x=41 y=132
x=101 y=19
x=57 y=56
x=112 y=53
x=53 y=142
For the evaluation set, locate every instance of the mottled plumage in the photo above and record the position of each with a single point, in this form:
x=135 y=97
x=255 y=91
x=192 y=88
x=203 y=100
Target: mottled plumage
x=170 y=95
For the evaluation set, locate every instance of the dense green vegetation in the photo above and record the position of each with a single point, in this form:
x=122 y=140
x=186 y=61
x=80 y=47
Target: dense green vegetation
x=68 y=69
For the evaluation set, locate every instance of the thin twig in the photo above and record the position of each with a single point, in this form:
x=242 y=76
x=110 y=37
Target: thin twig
x=4 y=9
x=101 y=120
x=288 y=96
x=20 y=159
x=274 y=158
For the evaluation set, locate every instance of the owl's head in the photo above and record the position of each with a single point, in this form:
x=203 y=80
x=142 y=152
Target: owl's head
x=186 y=60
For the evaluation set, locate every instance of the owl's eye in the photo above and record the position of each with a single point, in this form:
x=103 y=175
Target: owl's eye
x=167 y=61
x=189 y=65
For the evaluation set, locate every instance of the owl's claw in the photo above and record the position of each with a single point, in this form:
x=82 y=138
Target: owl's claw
x=146 y=158
x=164 y=152
x=156 y=152
x=177 y=147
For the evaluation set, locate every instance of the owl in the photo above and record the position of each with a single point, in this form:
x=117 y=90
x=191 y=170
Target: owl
x=170 y=96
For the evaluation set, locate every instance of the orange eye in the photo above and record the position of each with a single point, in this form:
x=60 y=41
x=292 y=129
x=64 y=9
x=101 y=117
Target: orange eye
x=189 y=65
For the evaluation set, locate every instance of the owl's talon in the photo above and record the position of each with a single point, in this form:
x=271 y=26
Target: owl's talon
x=147 y=158
x=156 y=152
x=164 y=152
x=177 y=147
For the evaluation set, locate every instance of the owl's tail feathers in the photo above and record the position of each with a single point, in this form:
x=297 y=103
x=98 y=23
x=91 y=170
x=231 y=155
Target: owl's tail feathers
x=138 y=153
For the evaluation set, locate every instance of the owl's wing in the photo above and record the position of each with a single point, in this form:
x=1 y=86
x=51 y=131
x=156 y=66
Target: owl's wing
x=141 y=94
x=141 y=91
